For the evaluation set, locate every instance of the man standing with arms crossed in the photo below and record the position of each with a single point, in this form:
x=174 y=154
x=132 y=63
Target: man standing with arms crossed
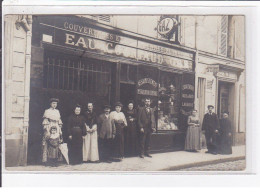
x=146 y=124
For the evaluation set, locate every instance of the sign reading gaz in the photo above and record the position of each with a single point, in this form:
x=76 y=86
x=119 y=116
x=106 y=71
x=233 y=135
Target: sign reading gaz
x=166 y=25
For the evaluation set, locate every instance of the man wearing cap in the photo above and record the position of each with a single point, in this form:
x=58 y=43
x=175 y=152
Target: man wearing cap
x=106 y=134
x=146 y=124
x=210 y=126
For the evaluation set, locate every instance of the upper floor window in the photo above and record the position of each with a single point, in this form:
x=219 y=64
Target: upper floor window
x=223 y=36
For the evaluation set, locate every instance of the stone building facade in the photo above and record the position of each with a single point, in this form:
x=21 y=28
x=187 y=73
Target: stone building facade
x=204 y=53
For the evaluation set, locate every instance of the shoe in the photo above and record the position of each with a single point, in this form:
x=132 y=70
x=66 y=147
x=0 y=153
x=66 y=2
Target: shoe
x=208 y=152
x=148 y=155
x=214 y=153
x=141 y=156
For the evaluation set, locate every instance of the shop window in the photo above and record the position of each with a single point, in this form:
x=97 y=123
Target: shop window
x=128 y=73
x=169 y=101
x=76 y=74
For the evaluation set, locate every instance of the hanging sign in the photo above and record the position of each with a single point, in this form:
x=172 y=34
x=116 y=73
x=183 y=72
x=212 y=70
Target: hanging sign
x=166 y=25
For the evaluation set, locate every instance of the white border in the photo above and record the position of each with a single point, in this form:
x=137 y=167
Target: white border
x=249 y=9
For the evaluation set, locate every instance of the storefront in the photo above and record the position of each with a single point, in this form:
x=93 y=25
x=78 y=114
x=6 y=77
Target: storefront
x=78 y=60
x=219 y=81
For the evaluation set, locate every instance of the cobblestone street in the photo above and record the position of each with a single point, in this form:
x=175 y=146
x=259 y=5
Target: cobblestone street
x=237 y=165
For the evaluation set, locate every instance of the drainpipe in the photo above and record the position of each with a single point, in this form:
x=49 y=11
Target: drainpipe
x=27 y=25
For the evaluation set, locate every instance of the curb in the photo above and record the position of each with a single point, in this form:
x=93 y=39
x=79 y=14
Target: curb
x=198 y=164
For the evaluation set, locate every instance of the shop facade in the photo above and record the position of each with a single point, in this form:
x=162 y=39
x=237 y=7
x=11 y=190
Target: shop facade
x=221 y=82
x=79 y=60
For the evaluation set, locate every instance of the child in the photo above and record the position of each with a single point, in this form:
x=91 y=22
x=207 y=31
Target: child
x=53 y=152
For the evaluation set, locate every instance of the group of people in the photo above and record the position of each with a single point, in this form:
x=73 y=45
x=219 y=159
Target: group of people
x=111 y=136
x=108 y=137
x=218 y=133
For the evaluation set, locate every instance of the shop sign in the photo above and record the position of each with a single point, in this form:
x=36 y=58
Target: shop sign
x=147 y=92
x=147 y=86
x=227 y=74
x=164 y=50
x=147 y=81
x=72 y=34
x=166 y=25
x=212 y=69
x=187 y=93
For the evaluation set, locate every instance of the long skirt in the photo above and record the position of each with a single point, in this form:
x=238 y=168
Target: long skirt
x=90 y=147
x=226 y=145
x=119 y=141
x=192 y=139
x=75 y=146
x=130 y=139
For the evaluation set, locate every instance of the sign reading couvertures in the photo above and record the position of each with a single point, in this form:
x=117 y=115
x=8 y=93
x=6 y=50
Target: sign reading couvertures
x=73 y=32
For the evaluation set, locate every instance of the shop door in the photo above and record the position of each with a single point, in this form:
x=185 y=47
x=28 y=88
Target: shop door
x=226 y=99
x=127 y=93
x=223 y=98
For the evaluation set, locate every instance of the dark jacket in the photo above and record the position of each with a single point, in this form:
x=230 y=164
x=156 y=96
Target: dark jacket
x=210 y=123
x=146 y=120
x=105 y=126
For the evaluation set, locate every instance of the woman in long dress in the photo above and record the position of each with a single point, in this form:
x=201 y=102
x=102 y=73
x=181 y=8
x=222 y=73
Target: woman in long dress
x=131 y=131
x=119 y=119
x=192 y=142
x=51 y=118
x=90 y=141
x=76 y=131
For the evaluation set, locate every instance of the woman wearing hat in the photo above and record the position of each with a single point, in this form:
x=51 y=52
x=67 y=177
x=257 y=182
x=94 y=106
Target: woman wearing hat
x=120 y=123
x=130 y=135
x=51 y=118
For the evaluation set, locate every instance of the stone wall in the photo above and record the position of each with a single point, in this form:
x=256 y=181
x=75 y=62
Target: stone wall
x=17 y=61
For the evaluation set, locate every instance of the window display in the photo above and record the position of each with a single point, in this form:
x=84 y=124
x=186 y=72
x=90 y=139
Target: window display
x=169 y=100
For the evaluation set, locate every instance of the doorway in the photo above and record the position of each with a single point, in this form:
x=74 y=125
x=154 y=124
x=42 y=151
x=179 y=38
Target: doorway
x=226 y=99
x=127 y=93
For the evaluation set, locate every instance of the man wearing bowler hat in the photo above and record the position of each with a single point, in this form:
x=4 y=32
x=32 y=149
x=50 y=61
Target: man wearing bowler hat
x=210 y=126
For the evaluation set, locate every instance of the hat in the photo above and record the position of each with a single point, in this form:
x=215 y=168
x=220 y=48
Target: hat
x=130 y=102
x=119 y=104
x=107 y=106
x=54 y=100
x=210 y=106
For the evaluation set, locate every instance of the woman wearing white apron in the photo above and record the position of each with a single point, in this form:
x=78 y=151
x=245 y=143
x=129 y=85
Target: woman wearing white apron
x=90 y=141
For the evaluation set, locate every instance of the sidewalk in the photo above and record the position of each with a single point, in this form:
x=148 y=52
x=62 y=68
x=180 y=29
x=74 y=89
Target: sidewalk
x=159 y=162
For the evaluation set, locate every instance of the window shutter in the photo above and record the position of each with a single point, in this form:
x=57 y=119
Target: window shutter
x=104 y=18
x=223 y=36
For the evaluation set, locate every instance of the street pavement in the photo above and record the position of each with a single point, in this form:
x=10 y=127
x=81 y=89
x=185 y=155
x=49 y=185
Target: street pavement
x=237 y=165
x=170 y=161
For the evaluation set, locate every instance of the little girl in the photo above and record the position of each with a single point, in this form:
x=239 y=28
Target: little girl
x=53 y=152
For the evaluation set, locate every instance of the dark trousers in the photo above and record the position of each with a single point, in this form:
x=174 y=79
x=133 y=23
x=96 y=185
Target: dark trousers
x=119 y=142
x=145 y=142
x=105 y=148
x=212 y=143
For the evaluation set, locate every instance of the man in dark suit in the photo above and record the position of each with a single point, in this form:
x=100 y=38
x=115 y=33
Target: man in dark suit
x=210 y=126
x=146 y=124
